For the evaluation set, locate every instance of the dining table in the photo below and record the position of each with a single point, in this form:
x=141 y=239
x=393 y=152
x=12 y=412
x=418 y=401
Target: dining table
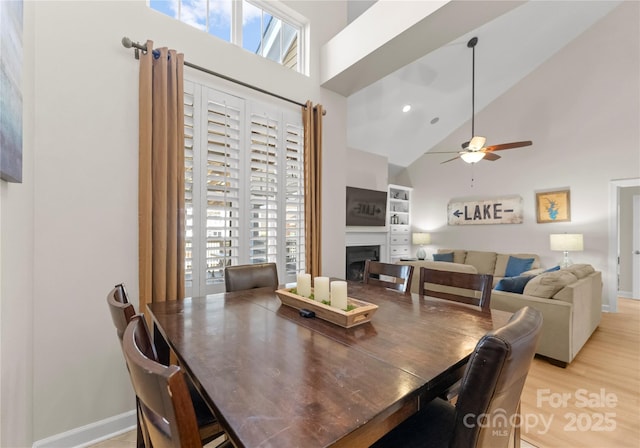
x=274 y=378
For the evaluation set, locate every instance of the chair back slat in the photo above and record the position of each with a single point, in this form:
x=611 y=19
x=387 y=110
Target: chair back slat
x=463 y=287
x=392 y=276
x=162 y=392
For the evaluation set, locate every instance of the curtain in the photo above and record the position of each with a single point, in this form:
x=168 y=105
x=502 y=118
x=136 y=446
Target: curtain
x=312 y=121
x=161 y=176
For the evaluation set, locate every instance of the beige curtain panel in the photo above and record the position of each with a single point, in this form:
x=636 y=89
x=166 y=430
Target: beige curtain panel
x=312 y=120
x=161 y=176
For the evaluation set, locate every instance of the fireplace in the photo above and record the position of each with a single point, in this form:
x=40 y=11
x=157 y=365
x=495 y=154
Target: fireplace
x=356 y=257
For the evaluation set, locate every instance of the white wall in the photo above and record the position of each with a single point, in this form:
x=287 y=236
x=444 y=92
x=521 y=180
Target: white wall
x=367 y=170
x=581 y=110
x=16 y=266
x=70 y=230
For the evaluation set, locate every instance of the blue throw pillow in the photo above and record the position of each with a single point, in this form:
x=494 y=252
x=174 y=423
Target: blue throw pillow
x=555 y=268
x=448 y=256
x=513 y=284
x=516 y=266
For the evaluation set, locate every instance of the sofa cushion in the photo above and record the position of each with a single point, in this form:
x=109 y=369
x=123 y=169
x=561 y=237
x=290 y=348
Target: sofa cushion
x=484 y=262
x=447 y=256
x=513 y=284
x=580 y=270
x=547 y=284
x=516 y=266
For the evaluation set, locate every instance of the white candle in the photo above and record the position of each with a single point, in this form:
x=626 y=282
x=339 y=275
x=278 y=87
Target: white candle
x=339 y=294
x=304 y=285
x=321 y=288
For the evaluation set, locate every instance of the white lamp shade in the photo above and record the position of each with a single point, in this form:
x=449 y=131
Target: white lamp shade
x=421 y=238
x=566 y=242
x=472 y=156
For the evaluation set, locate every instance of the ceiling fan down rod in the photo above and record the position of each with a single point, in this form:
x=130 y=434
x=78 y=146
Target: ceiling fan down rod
x=472 y=44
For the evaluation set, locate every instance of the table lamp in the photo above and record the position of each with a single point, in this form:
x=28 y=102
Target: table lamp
x=421 y=239
x=566 y=242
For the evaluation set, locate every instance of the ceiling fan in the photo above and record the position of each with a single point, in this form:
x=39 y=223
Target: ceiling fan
x=474 y=150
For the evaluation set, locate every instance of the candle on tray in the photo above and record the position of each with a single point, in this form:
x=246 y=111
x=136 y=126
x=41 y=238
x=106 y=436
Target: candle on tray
x=304 y=285
x=339 y=294
x=321 y=288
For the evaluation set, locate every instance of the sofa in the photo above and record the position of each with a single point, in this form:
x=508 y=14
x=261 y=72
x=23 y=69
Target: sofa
x=570 y=299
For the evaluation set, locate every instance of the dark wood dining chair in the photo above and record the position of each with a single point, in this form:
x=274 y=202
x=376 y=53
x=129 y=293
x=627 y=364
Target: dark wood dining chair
x=392 y=276
x=249 y=276
x=464 y=287
x=122 y=313
x=485 y=411
x=163 y=395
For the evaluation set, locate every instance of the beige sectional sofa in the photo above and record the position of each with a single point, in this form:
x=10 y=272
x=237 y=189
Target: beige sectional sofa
x=570 y=299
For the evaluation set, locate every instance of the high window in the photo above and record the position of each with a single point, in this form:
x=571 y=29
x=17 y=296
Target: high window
x=268 y=29
x=244 y=187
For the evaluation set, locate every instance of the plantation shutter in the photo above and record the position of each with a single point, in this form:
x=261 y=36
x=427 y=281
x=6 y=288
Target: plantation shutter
x=244 y=187
x=294 y=184
x=263 y=187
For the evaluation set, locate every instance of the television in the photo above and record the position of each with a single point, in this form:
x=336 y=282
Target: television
x=366 y=207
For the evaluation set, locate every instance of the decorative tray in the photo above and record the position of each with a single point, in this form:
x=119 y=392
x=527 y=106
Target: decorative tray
x=360 y=314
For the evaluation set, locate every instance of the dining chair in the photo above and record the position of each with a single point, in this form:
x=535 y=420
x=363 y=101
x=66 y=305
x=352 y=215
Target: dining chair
x=249 y=276
x=398 y=277
x=164 y=400
x=464 y=287
x=486 y=409
x=122 y=313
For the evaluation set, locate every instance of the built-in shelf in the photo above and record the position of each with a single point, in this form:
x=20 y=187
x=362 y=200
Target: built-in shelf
x=399 y=221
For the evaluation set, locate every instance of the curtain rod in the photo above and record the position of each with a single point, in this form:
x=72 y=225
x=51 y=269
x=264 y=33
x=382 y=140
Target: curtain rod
x=128 y=43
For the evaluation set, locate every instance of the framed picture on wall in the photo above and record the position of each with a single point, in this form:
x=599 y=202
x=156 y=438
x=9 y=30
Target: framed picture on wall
x=553 y=206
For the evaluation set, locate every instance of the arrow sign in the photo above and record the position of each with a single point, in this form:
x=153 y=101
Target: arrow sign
x=506 y=210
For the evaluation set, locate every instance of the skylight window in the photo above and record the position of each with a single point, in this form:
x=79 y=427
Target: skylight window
x=268 y=29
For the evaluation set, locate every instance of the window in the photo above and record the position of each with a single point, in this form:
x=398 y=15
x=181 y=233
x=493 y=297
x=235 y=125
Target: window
x=268 y=29
x=244 y=187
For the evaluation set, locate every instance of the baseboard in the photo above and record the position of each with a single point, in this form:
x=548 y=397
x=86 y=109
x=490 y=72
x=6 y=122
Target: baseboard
x=92 y=433
x=625 y=294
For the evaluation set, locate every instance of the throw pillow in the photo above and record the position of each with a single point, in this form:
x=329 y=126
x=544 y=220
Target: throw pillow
x=580 y=270
x=516 y=266
x=555 y=268
x=513 y=284
x=547 y=285
x=443 y=257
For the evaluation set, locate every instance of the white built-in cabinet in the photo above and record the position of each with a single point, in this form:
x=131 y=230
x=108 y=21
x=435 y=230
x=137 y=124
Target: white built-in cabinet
x=399 y=221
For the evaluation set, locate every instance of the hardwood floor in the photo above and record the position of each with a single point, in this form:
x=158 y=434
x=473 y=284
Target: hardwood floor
x=601 y=403
x=595 y=401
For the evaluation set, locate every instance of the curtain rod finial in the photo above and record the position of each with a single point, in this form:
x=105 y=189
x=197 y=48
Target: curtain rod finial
x=126 y=42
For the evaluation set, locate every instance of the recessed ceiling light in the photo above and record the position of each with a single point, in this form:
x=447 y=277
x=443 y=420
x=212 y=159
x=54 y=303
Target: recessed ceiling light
x=406 y=108
x=435 y=120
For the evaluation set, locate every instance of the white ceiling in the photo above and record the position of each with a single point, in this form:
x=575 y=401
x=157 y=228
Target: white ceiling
x=438 y=85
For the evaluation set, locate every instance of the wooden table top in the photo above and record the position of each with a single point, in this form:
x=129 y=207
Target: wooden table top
x=276 y=379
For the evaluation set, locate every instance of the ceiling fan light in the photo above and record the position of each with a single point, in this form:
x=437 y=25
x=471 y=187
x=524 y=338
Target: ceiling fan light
x=477 y=143
x=472 y=157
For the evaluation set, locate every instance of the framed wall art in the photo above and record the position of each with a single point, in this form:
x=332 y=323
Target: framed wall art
x=11 y=91
x=553 y=206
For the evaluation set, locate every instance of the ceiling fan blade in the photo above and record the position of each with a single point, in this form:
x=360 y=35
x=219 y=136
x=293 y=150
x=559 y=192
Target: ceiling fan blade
x=450 y=160
x=491 y=156
x=508 y=146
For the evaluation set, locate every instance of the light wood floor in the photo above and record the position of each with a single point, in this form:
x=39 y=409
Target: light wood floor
x=607 y=369
x=608 y=365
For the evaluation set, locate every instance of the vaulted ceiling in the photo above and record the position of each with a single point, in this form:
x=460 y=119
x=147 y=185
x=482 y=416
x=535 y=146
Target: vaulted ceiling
x=437 y=85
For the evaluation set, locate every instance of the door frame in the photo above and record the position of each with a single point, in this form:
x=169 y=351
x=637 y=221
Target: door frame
x=635 y=258
x=614 y=239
